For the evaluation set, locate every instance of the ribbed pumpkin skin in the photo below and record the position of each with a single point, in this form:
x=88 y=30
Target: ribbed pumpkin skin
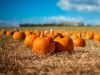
x=18 y=35
x=64 y=44
x=79 y=42
x=29 y=40
x=43 y=45
x=97 y=37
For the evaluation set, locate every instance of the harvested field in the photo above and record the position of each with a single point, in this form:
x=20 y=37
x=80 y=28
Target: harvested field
x=15 y=59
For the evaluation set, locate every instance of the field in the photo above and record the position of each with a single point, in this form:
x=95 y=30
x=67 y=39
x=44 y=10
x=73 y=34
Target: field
x=15 y=59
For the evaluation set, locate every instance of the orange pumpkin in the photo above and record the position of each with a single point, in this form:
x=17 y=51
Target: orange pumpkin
x=89 y=35
x=9 y=33
x=1 y=33
x=18 y=35
x=84 y=33
x=64 y=44
x=97 y=37
x=27 y=32
x=79 y=42
x=43 y=45
x=75 y=35
x=29 y=40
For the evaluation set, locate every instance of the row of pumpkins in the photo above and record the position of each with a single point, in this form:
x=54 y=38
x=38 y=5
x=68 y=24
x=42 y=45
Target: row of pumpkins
x=43 y=42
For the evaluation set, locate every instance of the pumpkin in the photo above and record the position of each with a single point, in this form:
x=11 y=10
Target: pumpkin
x=51 y=34
x=1 y=33
x=63 y=44
x=29 y=40
x=27 y=32
x=75 y=35
x=89 y=35
x=18 y=35
x=9 y=33
x=43 y=45
x=84 y=33
x=97 y=37
x=79 y=42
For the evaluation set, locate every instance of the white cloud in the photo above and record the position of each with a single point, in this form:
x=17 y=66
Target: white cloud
x=51 y=19
x=42 y=20
x=80 y=5
x=61 y=19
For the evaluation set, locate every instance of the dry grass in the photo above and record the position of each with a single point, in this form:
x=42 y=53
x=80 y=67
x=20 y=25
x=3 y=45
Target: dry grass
x=15 y=59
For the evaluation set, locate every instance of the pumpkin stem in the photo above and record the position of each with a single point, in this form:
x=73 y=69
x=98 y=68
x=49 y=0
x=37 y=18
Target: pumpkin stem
x=42 y=34
x=16 y=29
x=59 y=35
x=45 y=32
x=51 y=31
x=79 y=35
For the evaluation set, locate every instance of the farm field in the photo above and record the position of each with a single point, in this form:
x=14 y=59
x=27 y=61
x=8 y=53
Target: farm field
x=16 y=59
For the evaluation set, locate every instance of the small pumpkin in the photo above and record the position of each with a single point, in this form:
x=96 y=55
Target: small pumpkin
x=75 y=35
x=18 y=35
x=43 y=45
x=63 y=44
x=79 y=42
x=89 y=35
x=27 y=32
x=1 y=33
x=9 y=33
x=29 y=40
x=97 y=37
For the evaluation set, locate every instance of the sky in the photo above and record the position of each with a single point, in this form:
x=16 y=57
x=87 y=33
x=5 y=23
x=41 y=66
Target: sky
x=14 y=12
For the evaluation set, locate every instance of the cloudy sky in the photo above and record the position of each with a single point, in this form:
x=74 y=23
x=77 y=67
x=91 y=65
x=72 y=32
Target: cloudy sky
x=14 y=12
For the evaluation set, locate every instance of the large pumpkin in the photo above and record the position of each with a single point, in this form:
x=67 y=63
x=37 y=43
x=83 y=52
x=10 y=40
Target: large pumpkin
x=79 y=42
x=43 y=45
x=29 y=40
x=18 y=35
x=64 y=44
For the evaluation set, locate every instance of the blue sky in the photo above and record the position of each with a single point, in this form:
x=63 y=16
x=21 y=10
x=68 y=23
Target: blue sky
x=14 y=12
